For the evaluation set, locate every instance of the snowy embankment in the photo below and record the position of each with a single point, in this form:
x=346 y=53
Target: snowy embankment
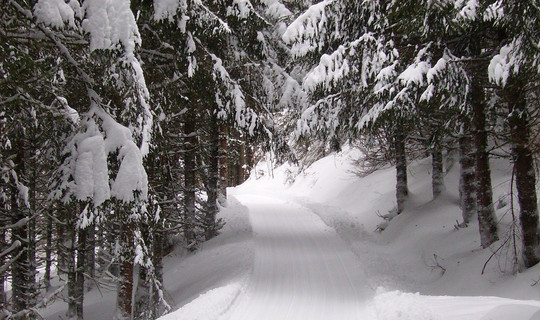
x=420 y=267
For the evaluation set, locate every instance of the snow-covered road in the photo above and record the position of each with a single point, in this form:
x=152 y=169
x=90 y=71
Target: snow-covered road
x=302 y=269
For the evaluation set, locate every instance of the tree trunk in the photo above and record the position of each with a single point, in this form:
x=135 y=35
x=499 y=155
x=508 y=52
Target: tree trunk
x=484 y=202
x=3 y=300
x=48 y=250
x=69 y=251
x=157 y=260
x=437 y=177
x=79 y=272
x=32 y=231
x=213 y=177
x=249 y=159
x=125 y=286
x=467 y=183
x=525 y=173
x=61 y=238
x=189 y=182
x=90 y=266
x=104 y=240
x=223 y=165
x=241 y=163
x=21 y=270
x=402 y=190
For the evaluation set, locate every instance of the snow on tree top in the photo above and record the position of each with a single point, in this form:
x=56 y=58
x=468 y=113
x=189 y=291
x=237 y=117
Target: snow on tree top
x=109 y=23
x=502 y=64
x=56 y=13
x=167 y=9
x=276 y=9
x=304 y=31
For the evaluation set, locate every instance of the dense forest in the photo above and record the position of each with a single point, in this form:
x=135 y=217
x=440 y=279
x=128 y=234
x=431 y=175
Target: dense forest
x=123 y=122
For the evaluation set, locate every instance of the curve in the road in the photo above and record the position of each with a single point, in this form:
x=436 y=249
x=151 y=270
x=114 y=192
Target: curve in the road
x=302 y=269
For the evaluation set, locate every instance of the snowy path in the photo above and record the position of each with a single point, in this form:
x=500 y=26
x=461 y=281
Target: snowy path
x=302 y=269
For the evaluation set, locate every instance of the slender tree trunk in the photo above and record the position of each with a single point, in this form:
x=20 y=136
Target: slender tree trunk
x=189 y=182
x=157 y=259
x=48 y=250
x=249 y=159
x=467 y=183
x=3 y=300
x=104 y=240
x=402 y=190
x=125 y=285
x=240 y=165
x=213 y=177
x=486 y=214
x=90 y=265
x=112 y=233
x=79 y=272
x=71 y=267
x=61 y=238
x=437 y=177
x=223 y=165
x=21 y=270
x=525 y=173
x=32 y=231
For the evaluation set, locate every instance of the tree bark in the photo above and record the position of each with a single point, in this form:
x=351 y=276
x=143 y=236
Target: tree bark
x=249 y=160
x=61 y=238
x=213 y=177
x=241 y=163
x=32 y=240
x=69 y=250
x=125 y=285
x=189 y=182
x=525 y=173
x=79 y=272
x=90 y=258
x=484 y=202
x=157 y=260
x=48 y=250
x=22 y=268
x=402 y=190
x=3 y=300
x=223 y=166
x=437 y=177
x=467 y=183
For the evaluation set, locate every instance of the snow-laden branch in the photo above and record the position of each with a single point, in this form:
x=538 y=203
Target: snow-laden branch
x=420 y=81
x=169 y=9
x=505 y=63
x=111 y=26
x=243 y=9
x=85 y=174
x=365 y=55
x=322 y=115
x=275 y=9
x=305 y=32
x=231 y=100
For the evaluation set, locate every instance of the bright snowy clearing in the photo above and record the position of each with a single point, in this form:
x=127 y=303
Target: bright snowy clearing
x=309 y=250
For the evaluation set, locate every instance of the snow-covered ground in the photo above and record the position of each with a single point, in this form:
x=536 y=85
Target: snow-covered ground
x=309 y=250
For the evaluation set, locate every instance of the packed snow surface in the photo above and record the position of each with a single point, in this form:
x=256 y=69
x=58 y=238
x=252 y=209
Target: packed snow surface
x=303 y=270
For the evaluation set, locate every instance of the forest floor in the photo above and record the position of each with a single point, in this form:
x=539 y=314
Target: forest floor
x=309 y=249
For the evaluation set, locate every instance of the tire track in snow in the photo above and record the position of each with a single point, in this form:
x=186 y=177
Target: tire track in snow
x=302 y=269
